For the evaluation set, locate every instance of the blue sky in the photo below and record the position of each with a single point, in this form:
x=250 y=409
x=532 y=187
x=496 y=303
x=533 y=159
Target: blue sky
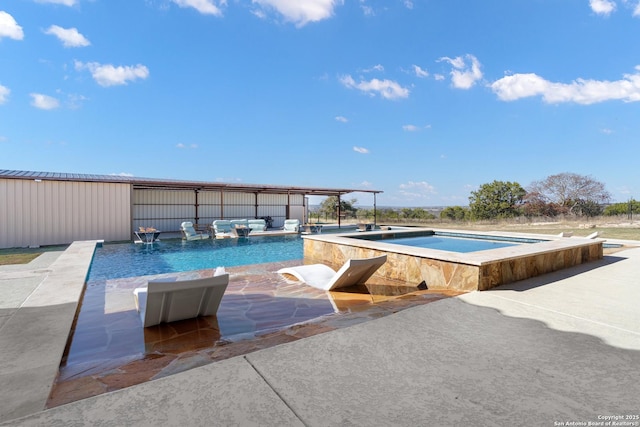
x=425 y=100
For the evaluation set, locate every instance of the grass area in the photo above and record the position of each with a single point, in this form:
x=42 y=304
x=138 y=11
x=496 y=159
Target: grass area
x=20 y=258
x=608 y=229
x=25 y=255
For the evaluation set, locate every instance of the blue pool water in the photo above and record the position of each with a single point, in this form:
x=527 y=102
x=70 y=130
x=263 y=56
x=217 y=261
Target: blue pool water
x=113 y=261
x=452 y=244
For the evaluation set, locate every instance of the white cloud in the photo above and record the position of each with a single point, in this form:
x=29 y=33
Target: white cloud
x=464 y=76
x=70 y=37
x=417 y=190
x=410 y=128
x=44 y=102
x=62 y=2
x=386 y=88
x=192 y=146
x=9 y=27
x=109 y=75
x=361 y=150
x=377 y=67
x=367 y=10
x=122 y=174
x=606 y=131
x=206 y=7
x=419 y=72
x=580 y=91
x=301 y=12
x=75 y=101
x=602 y=7
x=342 y=119
x=4 y=94
x=408 y=4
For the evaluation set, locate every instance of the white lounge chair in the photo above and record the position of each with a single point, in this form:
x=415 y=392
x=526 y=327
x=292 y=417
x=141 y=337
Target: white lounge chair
x=257 y=225
x=593 y=235
x=190 y=233
x=222 y=228
x=163 y=301
x=291 y=225
x=566 y=234
x=353 y=272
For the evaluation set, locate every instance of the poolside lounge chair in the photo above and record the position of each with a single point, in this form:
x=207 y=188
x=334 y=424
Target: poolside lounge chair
x=353 y=272
x=257 y=225
x=291 y=225
x=222 y=228
x=593 y=235
x=190 y=233
x=163 y=301
x=566 y=234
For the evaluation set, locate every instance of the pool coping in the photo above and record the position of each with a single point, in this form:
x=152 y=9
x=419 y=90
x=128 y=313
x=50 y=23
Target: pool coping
x=34 y=337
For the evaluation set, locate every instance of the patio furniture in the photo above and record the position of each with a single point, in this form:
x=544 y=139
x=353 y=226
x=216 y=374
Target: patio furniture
x=190 y=233
x=168 y=300
x=353 y=272
x=292 y=225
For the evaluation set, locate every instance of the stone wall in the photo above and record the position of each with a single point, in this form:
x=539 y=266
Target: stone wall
x=451 y=274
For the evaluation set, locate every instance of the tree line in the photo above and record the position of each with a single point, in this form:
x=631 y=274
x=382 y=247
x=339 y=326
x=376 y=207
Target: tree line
x=564 y=194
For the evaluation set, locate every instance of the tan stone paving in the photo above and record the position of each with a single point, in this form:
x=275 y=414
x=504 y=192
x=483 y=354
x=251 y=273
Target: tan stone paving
x=110 y=350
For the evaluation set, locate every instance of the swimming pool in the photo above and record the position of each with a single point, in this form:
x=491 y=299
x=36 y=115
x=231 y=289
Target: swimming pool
x=454 y=244
x=446 y=240
x=114 y=261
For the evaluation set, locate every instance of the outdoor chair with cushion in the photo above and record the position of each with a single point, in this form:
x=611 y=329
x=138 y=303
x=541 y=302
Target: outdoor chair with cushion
x=190 y=233
x=292 y=225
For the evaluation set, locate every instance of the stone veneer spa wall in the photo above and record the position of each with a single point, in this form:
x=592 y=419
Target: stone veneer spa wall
x=454 y=271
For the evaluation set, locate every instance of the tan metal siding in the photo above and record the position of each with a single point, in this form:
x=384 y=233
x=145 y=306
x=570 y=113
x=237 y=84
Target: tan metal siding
x=164 y=210
x=209 y=206
x=56 y=212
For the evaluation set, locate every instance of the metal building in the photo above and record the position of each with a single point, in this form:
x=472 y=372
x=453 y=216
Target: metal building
x=46 y=208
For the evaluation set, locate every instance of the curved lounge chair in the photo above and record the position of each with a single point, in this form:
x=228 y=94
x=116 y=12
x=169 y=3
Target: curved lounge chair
x=190 y=233
x=292 y=225
x=353 y=272
x=167 y=300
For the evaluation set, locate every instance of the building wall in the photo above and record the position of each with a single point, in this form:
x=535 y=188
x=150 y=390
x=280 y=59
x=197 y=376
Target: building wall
x=49 y=212
x=39 y=213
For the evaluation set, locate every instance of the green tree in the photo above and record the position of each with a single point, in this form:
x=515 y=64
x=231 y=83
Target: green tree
x=387 y=214
x=416 y=213
x=499 y=199
x=455 y=213
x=625 y=208
x=329 y=207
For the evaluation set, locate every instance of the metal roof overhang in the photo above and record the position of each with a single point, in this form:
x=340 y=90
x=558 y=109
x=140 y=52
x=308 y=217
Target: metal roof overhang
x=160 y=184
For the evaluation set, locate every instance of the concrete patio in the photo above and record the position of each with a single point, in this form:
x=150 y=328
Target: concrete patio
x=562 y=347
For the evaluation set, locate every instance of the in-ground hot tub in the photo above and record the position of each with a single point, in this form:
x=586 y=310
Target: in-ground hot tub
x=444 y=269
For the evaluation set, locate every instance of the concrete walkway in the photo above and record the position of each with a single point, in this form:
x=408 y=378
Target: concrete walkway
x=38 y=303
x=559 y=348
